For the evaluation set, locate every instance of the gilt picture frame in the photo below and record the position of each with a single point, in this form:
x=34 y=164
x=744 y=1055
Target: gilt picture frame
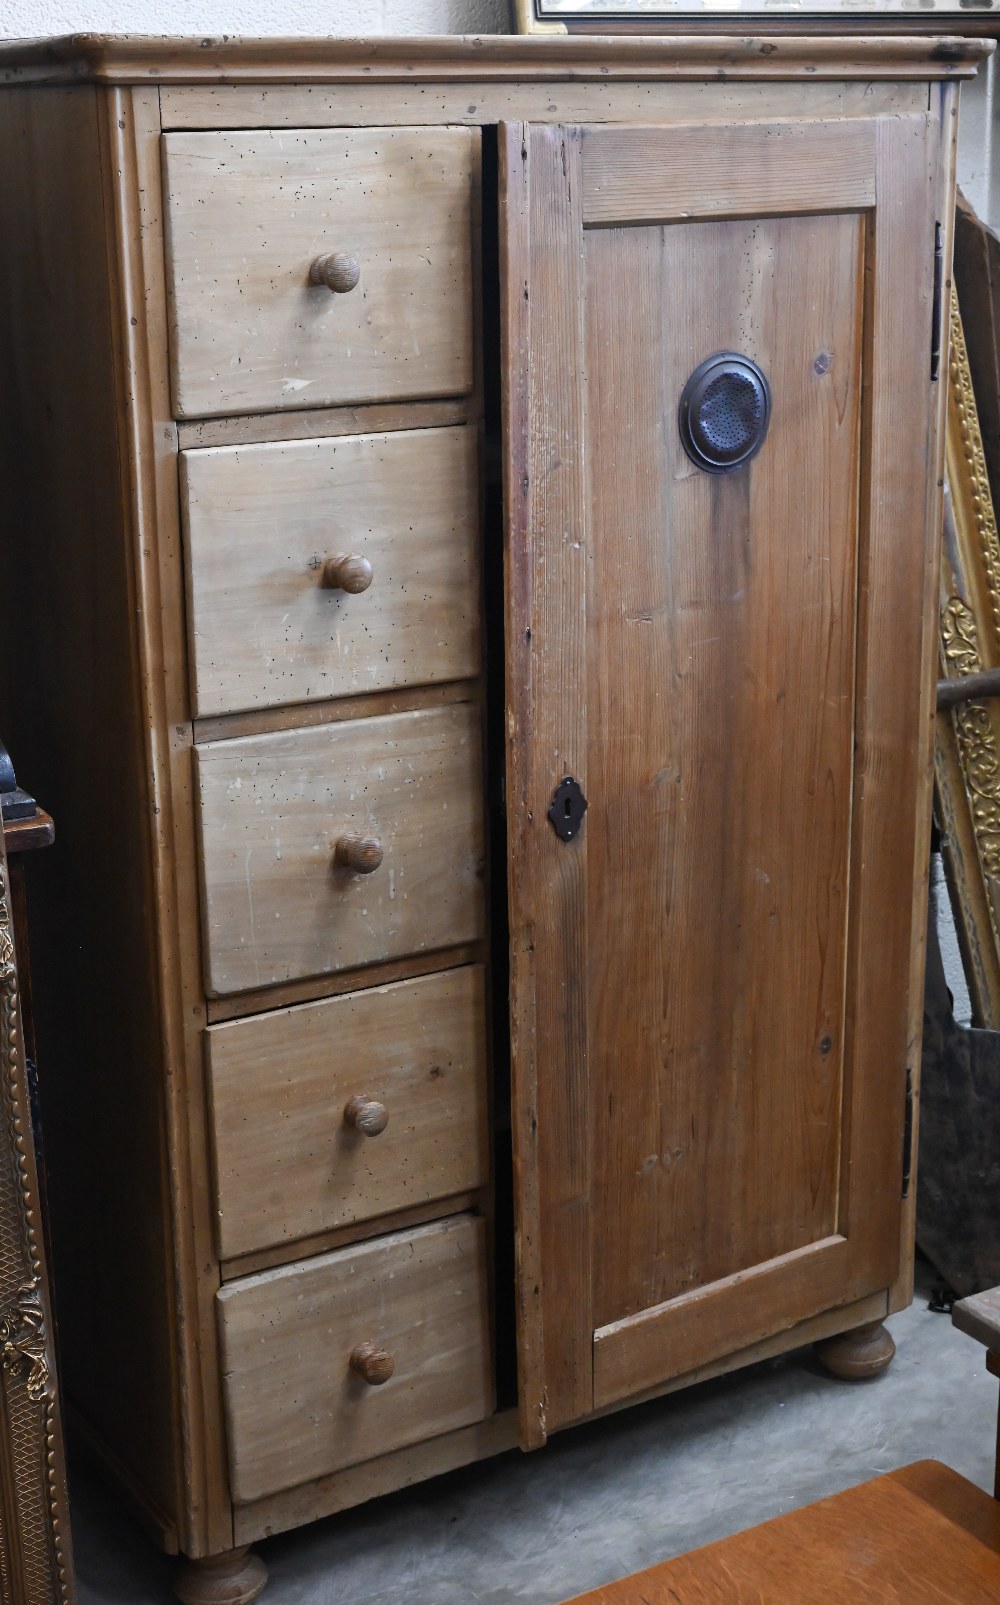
x=967 y=737
x=35 y=1549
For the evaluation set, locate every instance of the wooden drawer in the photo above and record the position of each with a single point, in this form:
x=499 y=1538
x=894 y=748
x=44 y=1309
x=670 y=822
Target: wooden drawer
x=247 y=216
x=290 y=1163
x=296 y=1409
x=277 y=904
x=261 y=522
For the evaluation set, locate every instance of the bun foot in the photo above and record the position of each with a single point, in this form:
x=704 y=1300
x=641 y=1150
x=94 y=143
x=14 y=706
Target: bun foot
x=235 y=1578
x=853 y=1356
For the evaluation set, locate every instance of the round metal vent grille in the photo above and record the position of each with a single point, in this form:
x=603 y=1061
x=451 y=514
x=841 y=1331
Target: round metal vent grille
x=724 y=412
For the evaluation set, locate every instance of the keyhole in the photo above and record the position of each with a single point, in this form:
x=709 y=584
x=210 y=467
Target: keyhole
x=568 y=807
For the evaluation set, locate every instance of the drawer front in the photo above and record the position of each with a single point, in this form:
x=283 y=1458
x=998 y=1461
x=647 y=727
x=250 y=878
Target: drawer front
x=280 y=814
x=248 y=214
x=290 y=1161
x=271 y=621
x=297 y=1408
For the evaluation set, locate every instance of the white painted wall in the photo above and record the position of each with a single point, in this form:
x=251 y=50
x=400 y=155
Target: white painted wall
x=25 y=19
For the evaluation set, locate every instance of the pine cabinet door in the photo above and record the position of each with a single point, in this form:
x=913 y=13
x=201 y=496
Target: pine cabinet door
x=717 y=626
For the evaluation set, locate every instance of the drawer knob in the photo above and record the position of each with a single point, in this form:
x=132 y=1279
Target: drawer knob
x=352 y=574
x=360 y=853
x=366 y=1115
x=373 y=1363
x=338 y=271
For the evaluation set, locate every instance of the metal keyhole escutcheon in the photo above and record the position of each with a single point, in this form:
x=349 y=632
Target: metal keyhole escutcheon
x=567 y=808
x=724 y=412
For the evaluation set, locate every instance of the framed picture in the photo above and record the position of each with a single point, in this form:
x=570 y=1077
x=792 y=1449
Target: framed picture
x=764 y=16
x=967 y=747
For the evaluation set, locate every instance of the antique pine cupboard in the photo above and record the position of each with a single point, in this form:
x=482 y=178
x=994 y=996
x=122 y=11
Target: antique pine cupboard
x=470 y=521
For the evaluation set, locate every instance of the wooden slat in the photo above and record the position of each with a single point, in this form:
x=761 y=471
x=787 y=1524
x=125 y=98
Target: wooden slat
x=264 y=999
x=402 y=1468
x=132 y=174
x=546 y=581
x=894 y=690
x=288 y=1165
x=297 y=1411
x=942 y=153
x=306 y=715
x=321 y=423
x=633 y=1354
x=727 y=170
x=264 y=629
x=571 y=100
x=498 y=57
x=272 y=811
x=271 y=1259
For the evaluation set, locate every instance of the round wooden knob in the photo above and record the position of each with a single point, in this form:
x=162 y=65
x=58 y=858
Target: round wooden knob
x=352 y=574
x=366 y=1115
x=373 y=1363
x=338 y=271
x=360 y=853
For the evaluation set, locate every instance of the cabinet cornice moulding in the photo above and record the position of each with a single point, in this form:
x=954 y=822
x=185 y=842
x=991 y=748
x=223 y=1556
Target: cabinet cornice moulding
x=124 y=58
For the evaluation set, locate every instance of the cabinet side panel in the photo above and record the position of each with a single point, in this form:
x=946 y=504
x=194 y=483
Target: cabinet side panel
x=943 y=142
x=70 y=715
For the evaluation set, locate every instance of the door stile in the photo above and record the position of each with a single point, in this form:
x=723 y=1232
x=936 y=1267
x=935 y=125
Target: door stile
x=896 y=545
x=943 y=150
x=546 y=564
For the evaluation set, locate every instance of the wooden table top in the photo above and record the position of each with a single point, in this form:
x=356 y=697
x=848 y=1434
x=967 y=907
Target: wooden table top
x=23 y=835
x=921 y=1536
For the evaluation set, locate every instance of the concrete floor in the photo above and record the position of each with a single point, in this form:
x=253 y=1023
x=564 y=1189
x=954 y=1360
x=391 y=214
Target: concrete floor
x=604 y=1500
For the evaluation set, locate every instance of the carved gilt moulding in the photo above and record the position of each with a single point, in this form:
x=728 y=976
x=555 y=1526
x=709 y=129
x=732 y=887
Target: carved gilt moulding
x=967 y=747
x=35 y=1555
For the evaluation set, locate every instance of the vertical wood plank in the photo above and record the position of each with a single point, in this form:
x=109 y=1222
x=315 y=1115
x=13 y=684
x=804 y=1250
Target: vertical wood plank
x=898 y=554
x=942 y=151
x=66 y=542
x=131 y=128
x=544 y=395
x=721 y=632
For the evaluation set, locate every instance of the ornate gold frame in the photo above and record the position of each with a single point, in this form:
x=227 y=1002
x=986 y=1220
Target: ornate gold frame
x=967 y=747
x=35 y=1557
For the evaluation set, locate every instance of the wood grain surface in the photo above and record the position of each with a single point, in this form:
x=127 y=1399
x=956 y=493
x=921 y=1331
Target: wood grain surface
x=272 y=809
x=570 y=99
x=295 y=1408
x=979 y=1316
x=721 y=703
x=249 y=332
x=261 y=521
x=287 y=1163
x=923 y=1536
x=727 y=170
x=546 y=656
x=499 y=57
x=717 y=649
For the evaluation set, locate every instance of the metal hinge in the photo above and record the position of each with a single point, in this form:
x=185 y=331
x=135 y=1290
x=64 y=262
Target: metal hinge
x=936 y=307
x=908 y=1135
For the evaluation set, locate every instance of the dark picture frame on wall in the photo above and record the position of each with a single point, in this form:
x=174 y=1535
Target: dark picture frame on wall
x=760 y=16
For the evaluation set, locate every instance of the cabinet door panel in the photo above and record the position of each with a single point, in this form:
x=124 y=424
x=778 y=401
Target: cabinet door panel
x=709 y=981
x=720 y=701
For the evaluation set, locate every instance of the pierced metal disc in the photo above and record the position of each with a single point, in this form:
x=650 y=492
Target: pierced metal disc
x=725 y=409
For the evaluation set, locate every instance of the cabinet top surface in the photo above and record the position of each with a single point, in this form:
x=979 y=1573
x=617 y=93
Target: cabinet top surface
x=138 y=59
